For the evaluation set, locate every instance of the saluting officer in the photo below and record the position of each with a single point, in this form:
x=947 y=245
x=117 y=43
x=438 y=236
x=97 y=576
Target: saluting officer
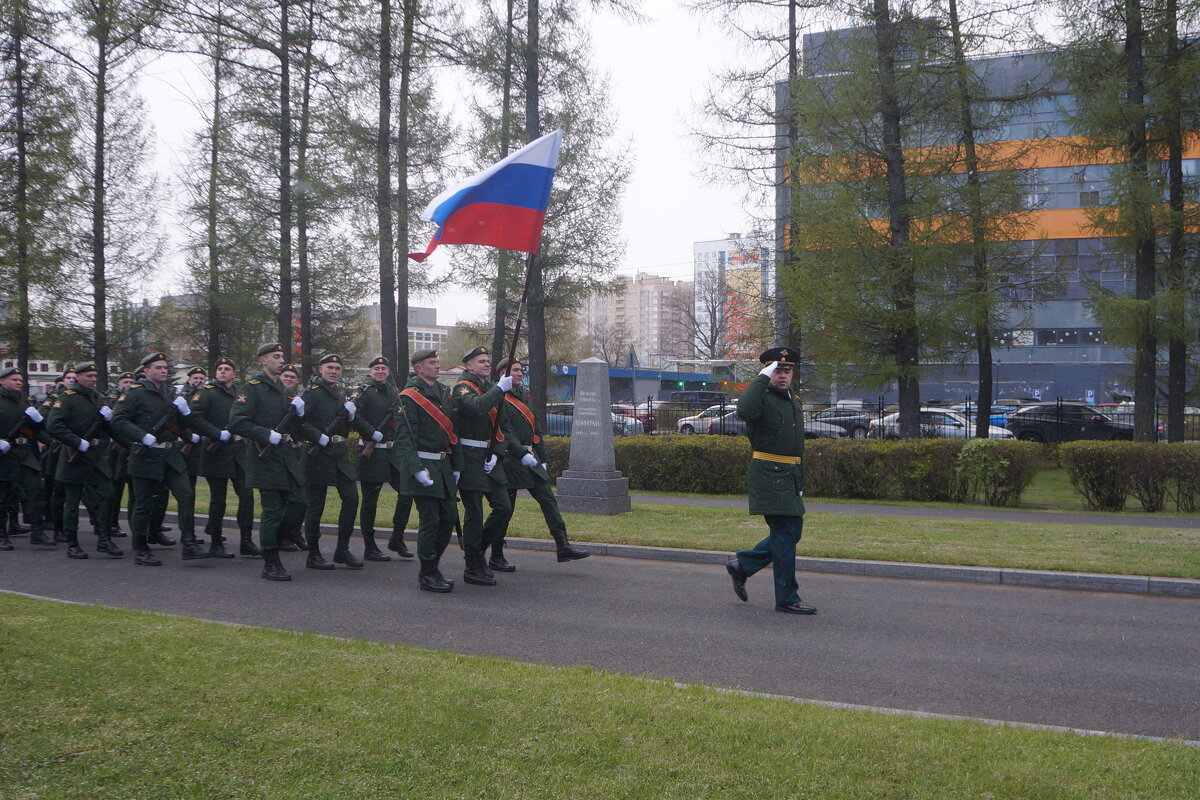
x=432 y=463
x=378 y=404
x=530 y=472
x=776 y=478
x=20 y=470
x=221 y=460
x=266 y=414
x=331 y=416
x=152 y=420
x=80 y=420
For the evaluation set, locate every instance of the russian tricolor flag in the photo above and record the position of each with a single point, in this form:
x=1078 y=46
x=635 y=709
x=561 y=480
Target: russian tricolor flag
x=504 y=206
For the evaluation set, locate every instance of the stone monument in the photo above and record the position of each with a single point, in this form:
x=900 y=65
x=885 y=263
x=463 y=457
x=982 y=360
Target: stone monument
x=591 y=483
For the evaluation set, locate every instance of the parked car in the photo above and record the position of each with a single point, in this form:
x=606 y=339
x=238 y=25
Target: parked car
x=699 y=397
x=622 y=425
x=998 y=416
x=700 y=421
x=1065 y=422
x=731 y=425
x=855 y=421
x=936 y=423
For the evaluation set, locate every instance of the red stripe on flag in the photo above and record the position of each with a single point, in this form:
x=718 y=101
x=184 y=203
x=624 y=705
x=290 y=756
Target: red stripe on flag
x=493 y=225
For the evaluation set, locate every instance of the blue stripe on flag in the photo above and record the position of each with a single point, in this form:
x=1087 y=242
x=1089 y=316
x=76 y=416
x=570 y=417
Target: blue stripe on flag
x=520 y=185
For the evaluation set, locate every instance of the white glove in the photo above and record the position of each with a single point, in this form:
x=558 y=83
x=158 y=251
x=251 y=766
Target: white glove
x=423 y=478
x=505 y=383
x=377 y=436
x=182 y=405
x=490 y=464
x=351 y=410
x=149 y=440
x=457 y=477
x=274 y=437
x=5 y=446
x=528 y=460
x=323 y=441
x=105 y=412
x=298 y=404
x=224 y=436
x=769 y=369
x=195 y=438
x=34 y=414
x=83 y=446
x=544 y=466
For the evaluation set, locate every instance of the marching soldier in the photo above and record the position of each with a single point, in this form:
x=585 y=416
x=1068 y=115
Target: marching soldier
x=52 y=492
x=432 y=463
x=80 y=420
x=530 y=472
x=477 y=405
x=196 y=378
x=776 y=478
x=265 y=413
x=221 y=460
x=20 y=470
x=151 y=419
x=119 y=458
x=291 y=541
x=378 y=407
x=331 y=416
x=157 y=531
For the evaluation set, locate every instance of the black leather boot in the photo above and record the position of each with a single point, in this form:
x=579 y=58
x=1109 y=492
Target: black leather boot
x=371 y=551
x=158 y=538
x=342 y=554
x=142 y=555
x=60 y=536
x=15 y=528
x=396 y=545
x=5 y=544
x=216 y=547
x=192 y=549
x=298 y=538
x=272 y=567
x=315 y=560
x=39 y=538
x=248 y=548
x=104 y=544
x=73 y=548
x=115 y=532
x=566 y=551
x=430 y=578
x=497 y=561
x=476 y=571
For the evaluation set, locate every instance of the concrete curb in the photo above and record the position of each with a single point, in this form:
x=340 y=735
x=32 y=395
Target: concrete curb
x=1041 y=579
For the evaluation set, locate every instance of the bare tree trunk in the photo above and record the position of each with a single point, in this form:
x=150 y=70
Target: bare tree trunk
x=284 y=318
x=22 y=201
x=787 y=329
x=536 y=303
x=214 y=258
x=383 y=191
x=99 y=278
x=303 y=193
x=504 y=259
x=1176 y=319
x=411 y=9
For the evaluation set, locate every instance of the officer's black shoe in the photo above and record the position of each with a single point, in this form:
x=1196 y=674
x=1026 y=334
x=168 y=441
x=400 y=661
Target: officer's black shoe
x=145 y=558
x=796 y=608
x=288 y=546
x=739 y=579
x=40 y=539
x=116 y=532
x=248 y=548
x=344 y=556
x=158 y=538
x=104 y=544
x=75 y=551
x=396 y=544
x=431 y=580
x=497 y=561
x=164 y=528
x=272 y=567
x=316 y=561
x=477 y=572
x=5 y=544
x=192 y=549
x=566 y=550
x=375 y=554
x=216 y=548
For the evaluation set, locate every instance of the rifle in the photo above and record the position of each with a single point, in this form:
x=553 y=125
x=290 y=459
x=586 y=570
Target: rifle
x=387 y=422
x=269 y=448
x=99 y=423
x=157 y=427
x=338 y=418
x=213 y=446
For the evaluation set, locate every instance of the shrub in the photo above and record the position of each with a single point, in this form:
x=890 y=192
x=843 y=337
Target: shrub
x=924 y=469
x=847 y=468
x=1150 y=472
x=671 y=463
x=997 y=471
x=1099 y=471
x=1184 y=464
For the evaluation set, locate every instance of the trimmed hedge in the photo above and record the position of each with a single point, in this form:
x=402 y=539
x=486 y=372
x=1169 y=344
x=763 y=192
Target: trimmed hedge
x=1107 y=473
x=996 y=471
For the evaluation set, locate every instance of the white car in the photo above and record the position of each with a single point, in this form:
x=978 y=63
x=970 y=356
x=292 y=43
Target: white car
x=699 y=422
x=935 y=423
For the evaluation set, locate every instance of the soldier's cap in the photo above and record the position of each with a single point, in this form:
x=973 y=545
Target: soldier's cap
x=504 y=362
x=786 y=356
x=150 y=359
x=125 y=375
x=87 y=366
x=137 y=373
x=421 y=355
x=378 y=360
x=478 y=351
x=67 y=370
x=274 y=347
x=223 y=362
x=330 y=358
x=12 y=371
x=197 y=371
x=289 y=368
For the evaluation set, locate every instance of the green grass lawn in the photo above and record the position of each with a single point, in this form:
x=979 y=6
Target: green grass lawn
x=110 y=704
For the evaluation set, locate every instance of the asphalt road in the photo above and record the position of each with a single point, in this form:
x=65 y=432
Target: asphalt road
x=1086 y=660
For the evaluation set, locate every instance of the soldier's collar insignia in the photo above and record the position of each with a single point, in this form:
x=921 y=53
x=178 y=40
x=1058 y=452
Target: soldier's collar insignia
x=241 y=398
x=58 y=403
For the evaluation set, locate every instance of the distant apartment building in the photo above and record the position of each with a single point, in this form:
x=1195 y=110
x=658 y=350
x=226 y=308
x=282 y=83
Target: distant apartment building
x=734 y=295
x=643 y=317
x=424 y=332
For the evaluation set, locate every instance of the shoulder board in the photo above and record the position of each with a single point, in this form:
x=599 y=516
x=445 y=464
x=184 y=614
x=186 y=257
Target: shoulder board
x=70 y=391
x=314 y=386
x=135 y=386
x=254 y=381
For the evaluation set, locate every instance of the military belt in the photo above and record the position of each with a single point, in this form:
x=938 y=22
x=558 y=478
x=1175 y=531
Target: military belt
x=20 y=440
x=475 y=443
x=164 y=445
x=378 y=445
x=433 y=456
x=336 y=439
x=778 y=459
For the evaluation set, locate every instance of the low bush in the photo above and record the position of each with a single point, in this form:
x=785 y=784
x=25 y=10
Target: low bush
x=674 y=463
x=1099 y=471
x=924 y=470
x=848 y=468
x=1150 y=472
x=1184 y=463
x=997 y=471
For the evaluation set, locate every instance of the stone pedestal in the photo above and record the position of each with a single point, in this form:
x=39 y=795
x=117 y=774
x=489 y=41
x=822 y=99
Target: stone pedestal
x=591 y=484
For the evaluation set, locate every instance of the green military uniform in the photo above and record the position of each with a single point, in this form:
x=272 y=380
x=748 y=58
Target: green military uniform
x=327 y=412
x=20 y=469
x=260 y=408
x=476 y=403
x=193 y=455
x=221 y=464
x=775 y=482
x=158 y=464
x=425 y=444
x=378 y=405
x=119 y=457
x=85 y=475
x=52 y=491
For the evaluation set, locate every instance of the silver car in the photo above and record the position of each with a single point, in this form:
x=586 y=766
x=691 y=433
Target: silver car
x=936 y=423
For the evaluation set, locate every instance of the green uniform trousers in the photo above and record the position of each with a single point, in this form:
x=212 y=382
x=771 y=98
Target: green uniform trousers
x=26 y=489
x=477 y=533
x=147 y=499
x=370 y=502
x=114 y=517
x=347 y=491
x=282 y=510
x=96 y=495
x=52 y=501
x=544 y=495
x=218 y=491
x=437 y=517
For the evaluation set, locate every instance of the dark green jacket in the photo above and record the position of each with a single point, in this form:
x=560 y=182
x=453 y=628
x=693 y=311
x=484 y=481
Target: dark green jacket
x=775 y=425
x=529 y=438
x=210 y=416
x=137 y=411
x=260 y=405
x=24 y=450
x=195 y=453
x=118 y=454
x=52 y=445
x=375 y=399
x=323 y=404
x=74 y=414
x=423 y=434
x=473 y=398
